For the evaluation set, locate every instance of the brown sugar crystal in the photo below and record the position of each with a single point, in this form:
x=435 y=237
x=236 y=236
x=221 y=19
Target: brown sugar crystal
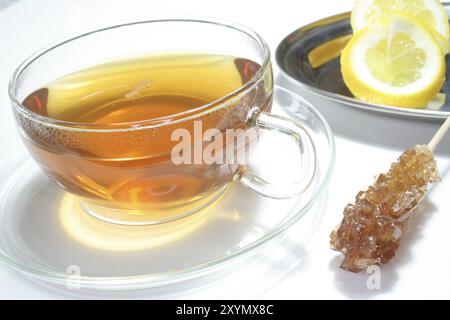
x=370 y=231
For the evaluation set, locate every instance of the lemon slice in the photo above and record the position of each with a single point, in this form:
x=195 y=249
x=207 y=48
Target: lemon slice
x=328 y=51
x=430 y=12
x=437 y=103
x=397 y=63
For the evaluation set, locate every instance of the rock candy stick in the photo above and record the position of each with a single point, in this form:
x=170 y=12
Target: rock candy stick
x=371 y=229
x=439 y=135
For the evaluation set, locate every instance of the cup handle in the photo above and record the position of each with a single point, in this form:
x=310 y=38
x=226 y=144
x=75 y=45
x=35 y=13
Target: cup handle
x=266 y=121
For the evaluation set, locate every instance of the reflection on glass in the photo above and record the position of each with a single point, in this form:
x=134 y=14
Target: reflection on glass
x=98 y=234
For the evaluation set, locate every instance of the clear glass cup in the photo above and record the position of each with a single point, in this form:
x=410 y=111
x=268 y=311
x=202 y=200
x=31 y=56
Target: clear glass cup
x=82 y=158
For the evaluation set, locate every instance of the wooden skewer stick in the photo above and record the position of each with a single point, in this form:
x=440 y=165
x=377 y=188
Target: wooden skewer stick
x=439 y=135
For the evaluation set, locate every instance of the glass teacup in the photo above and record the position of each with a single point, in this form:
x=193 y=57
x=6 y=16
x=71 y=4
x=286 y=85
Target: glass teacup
x=137 y=172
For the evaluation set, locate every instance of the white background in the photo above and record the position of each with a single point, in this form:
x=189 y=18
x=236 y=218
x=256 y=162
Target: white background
x=366 y=145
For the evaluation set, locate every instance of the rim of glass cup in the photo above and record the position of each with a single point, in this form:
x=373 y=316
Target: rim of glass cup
x=163 y=278
x=212 y=106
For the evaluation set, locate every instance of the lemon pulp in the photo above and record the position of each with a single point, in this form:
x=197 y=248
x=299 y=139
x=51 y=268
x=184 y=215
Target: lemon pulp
x=396 y=61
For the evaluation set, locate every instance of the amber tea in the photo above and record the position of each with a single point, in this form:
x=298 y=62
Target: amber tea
x=118 y=118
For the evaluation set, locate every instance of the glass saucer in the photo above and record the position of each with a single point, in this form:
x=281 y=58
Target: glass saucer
x=44 y=234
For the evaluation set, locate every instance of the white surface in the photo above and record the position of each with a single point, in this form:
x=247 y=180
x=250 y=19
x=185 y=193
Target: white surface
x=366 y=145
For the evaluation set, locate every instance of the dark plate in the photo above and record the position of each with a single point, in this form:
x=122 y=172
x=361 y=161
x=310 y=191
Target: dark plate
x=292 y=56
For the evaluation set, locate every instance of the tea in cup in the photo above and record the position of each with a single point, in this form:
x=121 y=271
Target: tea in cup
x=150 y=121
